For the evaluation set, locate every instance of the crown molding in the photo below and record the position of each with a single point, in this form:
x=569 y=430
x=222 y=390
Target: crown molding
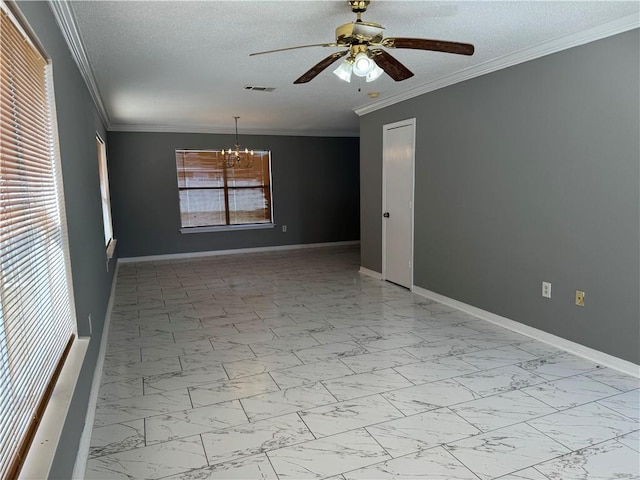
x=67 y=22
x=620 y=25
x=231 y=131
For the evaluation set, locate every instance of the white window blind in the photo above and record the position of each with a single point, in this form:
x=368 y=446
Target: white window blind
x=212 y=194
x=36 y=320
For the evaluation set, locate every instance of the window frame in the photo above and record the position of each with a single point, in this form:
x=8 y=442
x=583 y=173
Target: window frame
x=225 y=188
x=27 y=451
x=105 y=197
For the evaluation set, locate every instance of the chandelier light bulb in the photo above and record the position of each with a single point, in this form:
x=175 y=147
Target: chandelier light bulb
x=362 y=64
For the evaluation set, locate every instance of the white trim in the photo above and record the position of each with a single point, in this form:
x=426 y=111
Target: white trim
x=85 y=439
x=589 y=353
x=105 y=194
x=111 y=248
x=620 y=25
x=67 y=22
x=371 y=273
x=11 y=8
x=227 y=131
x=215 y=253
x=226 y=228
x=383 y=267
x=409 y=122
x=43 y=448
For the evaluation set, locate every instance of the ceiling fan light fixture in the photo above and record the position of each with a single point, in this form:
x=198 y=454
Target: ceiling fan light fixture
x=362 y=64
x=361 y=41
x=343 y=72
x=374 y=73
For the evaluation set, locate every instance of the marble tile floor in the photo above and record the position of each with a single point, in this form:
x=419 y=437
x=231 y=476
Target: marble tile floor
x=292 y=365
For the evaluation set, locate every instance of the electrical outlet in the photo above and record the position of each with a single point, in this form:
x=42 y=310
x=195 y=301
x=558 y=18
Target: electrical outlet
x=579 y=298
x=284 y=228
x=546 y=289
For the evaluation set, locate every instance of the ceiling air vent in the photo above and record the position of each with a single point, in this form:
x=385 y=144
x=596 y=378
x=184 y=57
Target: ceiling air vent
x=259 y=89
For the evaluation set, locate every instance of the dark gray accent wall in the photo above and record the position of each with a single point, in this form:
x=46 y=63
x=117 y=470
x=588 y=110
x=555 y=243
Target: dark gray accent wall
x=525 y=175
x=315 y=192
x=78 y=122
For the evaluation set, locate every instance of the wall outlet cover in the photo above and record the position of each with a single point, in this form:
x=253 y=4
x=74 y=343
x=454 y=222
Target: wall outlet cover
x=546 y=289
x=580 y=298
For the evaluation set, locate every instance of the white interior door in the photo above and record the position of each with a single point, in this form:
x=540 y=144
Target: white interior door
x=397 y=200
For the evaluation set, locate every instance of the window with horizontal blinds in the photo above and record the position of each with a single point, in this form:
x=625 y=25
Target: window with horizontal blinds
x=37 y=325
x=213 y=194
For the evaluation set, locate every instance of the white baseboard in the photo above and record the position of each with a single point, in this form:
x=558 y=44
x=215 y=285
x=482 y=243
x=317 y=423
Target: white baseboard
x=85 y=439
x=213 y=253
x=371 y=273
x=601 y=358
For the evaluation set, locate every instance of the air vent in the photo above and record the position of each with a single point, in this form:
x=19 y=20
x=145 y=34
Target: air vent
x=259 y=89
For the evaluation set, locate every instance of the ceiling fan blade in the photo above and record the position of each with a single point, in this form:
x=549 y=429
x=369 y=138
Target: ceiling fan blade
x=294 y=48
x=426 y=44
x=320 y=66
x=391 y=66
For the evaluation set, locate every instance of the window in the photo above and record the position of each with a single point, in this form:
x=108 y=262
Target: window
x=214 y=195
x=37 y=323
x=110 y=242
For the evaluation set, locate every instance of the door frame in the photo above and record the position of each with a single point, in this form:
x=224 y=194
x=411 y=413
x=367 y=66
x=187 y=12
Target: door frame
x=385 y=129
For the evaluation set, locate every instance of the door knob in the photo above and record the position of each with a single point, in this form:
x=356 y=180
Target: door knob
x=385 y=214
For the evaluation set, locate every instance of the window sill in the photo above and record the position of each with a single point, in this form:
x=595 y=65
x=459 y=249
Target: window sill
x=111 y=248
x=227 y=228
x=43 y=448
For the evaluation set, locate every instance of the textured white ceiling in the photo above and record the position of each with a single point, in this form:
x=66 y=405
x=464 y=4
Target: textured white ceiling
x=182 y=65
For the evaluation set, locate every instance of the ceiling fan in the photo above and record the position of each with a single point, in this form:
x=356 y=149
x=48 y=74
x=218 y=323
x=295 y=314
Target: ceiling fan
x=365 y=57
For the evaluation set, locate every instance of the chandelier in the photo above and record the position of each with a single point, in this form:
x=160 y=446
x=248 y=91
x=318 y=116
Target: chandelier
x=237 y=157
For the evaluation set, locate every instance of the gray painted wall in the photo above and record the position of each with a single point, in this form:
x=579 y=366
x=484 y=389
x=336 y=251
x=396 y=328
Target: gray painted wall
x=78 y=123
x=315 y=192
x=528 y=174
